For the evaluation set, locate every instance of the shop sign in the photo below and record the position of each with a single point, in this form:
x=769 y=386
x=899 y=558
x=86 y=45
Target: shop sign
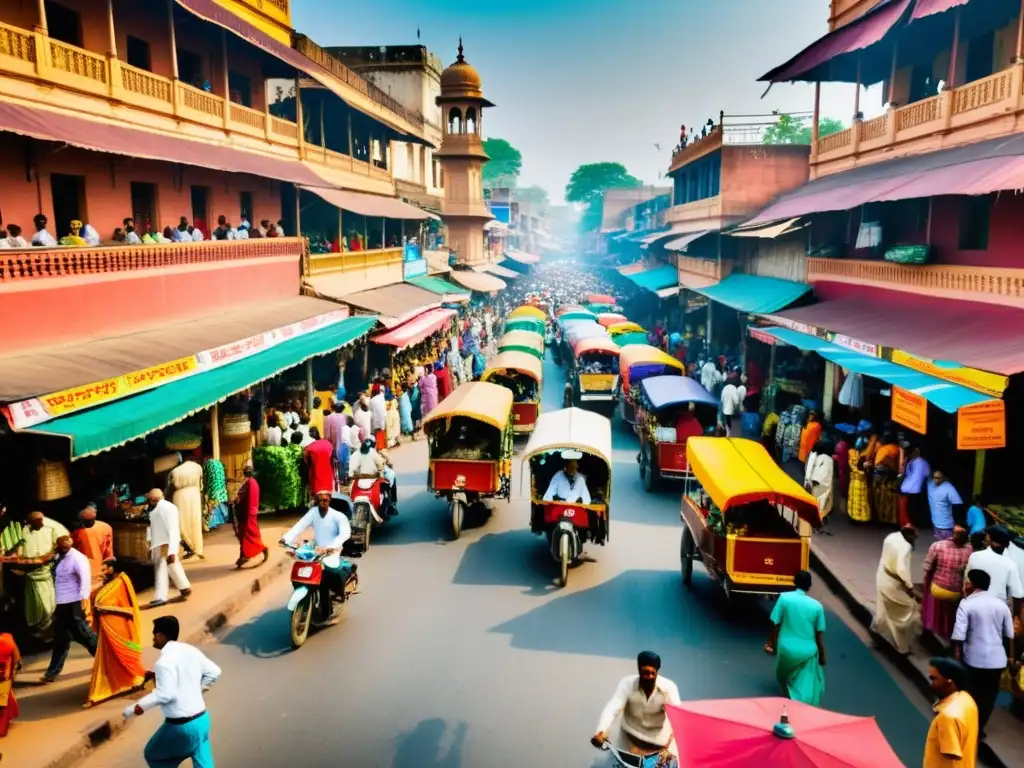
x=871 y=350
x=993 y=384
x=981 y=426
x=910 y=410
x=762 y=336
x=413 y=263
x=38 y=410
x=792 y=325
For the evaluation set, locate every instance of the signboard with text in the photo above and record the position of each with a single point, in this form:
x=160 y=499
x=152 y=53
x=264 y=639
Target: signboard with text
x=910 y=410
x=981 y=426
x=981 y=381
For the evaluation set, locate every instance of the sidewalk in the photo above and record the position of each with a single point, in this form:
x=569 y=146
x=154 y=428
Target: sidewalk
x=54 y=731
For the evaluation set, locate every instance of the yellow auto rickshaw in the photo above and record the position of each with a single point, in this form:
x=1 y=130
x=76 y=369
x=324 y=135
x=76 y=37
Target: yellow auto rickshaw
x=521 y=374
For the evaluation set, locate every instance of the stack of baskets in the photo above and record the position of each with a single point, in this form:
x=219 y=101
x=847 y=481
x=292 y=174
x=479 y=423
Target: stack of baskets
x=52 y=480
x=182 y=440
x=235 y=448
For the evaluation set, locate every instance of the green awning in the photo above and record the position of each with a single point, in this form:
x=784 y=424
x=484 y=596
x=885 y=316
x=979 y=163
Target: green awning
x=108 y=426
x=750 y=293
x=656 y=279
x=439 y=286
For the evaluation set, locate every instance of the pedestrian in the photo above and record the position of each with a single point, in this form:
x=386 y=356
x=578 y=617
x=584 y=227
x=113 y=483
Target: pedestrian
x=319 y=459
x=983 y=642
x=819 y=477
x=247 y=526
x=942 y=496
x=1002 y=570
x=733 y=395
x=809 y=436
x=379 y=418
x=394 y=424
x=73 y=585
x=913 y=496
x=118 y=667
x=896 y=602
x=428 y=391
x=363 y=419
x=952 y=740
x=39 y=542
x=798 y=643
x=181 y=673
x=944 y=582
x=858 y=505
x=10 y=664
x=94 y=539
x=165 y=542
x=976 y=520
x=885 y=481
x=187 y=481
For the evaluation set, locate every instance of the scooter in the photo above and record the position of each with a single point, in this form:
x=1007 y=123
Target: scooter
x=629 y=760
x=307 y=574
x=374 y=502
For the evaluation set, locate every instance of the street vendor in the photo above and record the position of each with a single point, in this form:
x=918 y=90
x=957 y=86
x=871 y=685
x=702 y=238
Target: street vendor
x=38 y=547
x=568 y=484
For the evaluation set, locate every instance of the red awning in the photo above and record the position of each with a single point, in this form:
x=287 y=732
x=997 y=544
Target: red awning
x=375 y=206
x=48 y=125
x=931 y=7
x=984 y=336
x=855 y=36
x=416 y=330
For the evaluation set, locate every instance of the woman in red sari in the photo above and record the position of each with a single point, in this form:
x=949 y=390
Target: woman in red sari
x=10 y=660
x=247 y=526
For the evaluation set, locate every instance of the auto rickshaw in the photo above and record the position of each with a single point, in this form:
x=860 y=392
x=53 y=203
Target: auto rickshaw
x=575 y=331
x=747 y=520
x=629 y=339
x=570 y=435
x=594 y=371
x=577 y=314
x=627 y=327
x=526 y=324
x=608 y=319
x=522 y=375
x=469 y=448
x=522 y=341
x=636 y=363
x=599 y=298
x=528 y=310
x=669 y=410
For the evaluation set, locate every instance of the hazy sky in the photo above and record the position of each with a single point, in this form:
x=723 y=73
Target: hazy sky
x=580 y=81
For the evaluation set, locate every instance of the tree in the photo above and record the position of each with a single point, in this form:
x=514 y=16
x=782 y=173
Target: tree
x=796 y=130
x=587 y=186
x=504 y=165
x=533 y=194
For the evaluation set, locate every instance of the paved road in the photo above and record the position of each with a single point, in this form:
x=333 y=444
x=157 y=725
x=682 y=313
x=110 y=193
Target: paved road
x=464 y=654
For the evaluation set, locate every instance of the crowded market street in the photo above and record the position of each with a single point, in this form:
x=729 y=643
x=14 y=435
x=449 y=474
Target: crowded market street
x=464 y=654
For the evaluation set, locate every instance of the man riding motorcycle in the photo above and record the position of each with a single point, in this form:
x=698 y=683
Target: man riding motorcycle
x=331 y=530
x=369 y=463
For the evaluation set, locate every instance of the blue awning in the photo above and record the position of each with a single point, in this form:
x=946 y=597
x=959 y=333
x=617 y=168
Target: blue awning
x=670 y=391
x=656 y=279
x=750 y=293
x=941 y=394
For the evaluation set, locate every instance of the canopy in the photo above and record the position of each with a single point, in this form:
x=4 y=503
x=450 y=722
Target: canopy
x=520 y=362
x=768 y=231
x=626 y=327
x=670 y=391
x=478 y=400
x=599 y=298
x=596 y=344
x=108 y=426
x=571 y=428
x=680 y=244
x=564 y=308
x=526 y=324
x=597 y=309
x=504 y=272
x=580 y=332
x=522 y=257
x=477 y=281
x=656 y=279
x=452 y=294
x=416 y=330
x=942 y=394
x=736 y=471
x=577 y=314
x=395 y=304
x=630 y=339
x=373 y=206
x=528 y=310
x=523 y=341
x=608 y=319
x=753 y=294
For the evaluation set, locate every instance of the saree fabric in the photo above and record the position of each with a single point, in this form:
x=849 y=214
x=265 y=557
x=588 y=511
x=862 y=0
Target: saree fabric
x=118 y=667
x=9 y=658
x=799 y=618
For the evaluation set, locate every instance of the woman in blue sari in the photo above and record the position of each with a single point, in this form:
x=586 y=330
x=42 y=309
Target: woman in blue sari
x=405 y=412
x=797 y=641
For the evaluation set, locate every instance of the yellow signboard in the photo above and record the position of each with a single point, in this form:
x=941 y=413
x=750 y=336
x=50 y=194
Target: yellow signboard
x=993 y=384
x=981 y=426
x=910 y=410
x=88 y=395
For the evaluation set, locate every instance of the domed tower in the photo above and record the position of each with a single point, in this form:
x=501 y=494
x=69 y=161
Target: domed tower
x=462 y=159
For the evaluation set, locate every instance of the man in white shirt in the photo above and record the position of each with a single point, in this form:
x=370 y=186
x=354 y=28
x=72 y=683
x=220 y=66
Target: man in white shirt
x=331 y=529
x=14 y=238
x=641 y=700
x=182 y=673
x=364 y=421
x=1001 y=569
x=732 y=407
x=378 y=413
x=42 y=238
x=180 y=234
x=164 y=543
x=710 y=376
x=569 y=485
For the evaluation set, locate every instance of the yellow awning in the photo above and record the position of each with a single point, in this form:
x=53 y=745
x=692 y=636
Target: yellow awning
x=528 y=311
x=520 y=362
x=486 y=403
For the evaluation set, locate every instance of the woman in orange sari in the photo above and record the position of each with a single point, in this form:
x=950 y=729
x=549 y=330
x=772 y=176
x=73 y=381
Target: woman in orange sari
x=118 y=666
x=10 y=660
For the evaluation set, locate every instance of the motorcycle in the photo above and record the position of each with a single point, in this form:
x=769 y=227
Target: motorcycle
x=629 y=760
x=307 y=574
x=373 y=503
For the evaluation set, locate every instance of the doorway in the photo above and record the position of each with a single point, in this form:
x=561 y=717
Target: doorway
x=201 y=208
x=63 y=23
x=68 y=202
x=144 y=206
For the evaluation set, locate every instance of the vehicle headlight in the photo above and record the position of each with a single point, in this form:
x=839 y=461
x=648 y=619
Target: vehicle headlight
x=306 y=572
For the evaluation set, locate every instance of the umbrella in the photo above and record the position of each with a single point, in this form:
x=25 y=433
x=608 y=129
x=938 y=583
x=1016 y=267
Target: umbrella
x=737 y=733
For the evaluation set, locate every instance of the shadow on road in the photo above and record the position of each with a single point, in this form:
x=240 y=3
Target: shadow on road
x=511 y=558
x=265 y=637
x=422 y=746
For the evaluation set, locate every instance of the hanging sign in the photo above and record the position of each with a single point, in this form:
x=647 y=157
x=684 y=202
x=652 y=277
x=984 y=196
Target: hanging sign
x=910 y=410
x=993 y=384
x=981 y=426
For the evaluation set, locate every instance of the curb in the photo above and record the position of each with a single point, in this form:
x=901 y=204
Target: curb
x=860 y=609
x=217 y=618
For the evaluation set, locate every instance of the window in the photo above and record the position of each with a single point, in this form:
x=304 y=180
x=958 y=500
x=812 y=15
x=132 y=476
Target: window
x=240 y=89
x=245 y=198
x=190 y=68
x=63 y=23
x=922 y=85
x=137 y=54
x=974 y=223
x=144 y=206
x=980 y=57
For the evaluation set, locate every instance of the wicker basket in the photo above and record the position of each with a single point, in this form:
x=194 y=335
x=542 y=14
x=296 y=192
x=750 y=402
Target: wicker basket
x=52 y=480
x=182 y=442
x=130 y=541
x=235 y=425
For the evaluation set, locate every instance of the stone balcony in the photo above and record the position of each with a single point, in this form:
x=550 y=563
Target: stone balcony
x=985 y=108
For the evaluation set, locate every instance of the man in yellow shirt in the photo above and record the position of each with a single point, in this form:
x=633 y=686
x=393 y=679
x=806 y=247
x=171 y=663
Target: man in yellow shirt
x=953 y=736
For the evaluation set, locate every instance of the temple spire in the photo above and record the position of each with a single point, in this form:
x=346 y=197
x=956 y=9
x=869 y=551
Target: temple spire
x=461 y=57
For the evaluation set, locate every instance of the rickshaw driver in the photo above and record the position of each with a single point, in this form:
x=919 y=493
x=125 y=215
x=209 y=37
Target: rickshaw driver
x=369 y=463
x=569 y=485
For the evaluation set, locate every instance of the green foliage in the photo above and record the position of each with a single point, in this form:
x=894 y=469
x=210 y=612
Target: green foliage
x=796 y=130
x=279 y=471
x=588 y=184
x=504 y=165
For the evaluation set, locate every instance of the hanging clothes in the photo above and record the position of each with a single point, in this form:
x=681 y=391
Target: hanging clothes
x=852 y=392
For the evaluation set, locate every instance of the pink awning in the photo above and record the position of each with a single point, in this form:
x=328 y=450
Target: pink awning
x=48 y=125
x=375 y=206
x=416 y=330
x=855 y=36
x=931 y=7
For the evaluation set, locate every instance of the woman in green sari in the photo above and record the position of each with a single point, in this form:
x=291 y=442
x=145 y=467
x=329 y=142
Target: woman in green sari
x=797 y=641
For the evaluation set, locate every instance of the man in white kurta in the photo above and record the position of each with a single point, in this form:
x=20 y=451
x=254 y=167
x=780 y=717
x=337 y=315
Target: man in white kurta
x=818 y=479
x=568 y=485
x=165 y=543
x=896 y=614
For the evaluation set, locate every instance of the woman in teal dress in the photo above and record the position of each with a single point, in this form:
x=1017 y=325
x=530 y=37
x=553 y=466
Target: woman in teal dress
x=797 y=641
x=216 y=489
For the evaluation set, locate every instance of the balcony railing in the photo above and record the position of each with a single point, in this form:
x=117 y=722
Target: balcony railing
x=20 y=266
x=349 y=261
x=276 y=9
x=988 y=285
x=940 y=116
x=713 y=269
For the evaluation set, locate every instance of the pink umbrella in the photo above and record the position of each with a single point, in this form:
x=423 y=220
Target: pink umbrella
x=776 y=732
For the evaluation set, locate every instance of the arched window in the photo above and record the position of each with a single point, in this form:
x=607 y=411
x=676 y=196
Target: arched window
x=470 y=120
x=454 y=121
